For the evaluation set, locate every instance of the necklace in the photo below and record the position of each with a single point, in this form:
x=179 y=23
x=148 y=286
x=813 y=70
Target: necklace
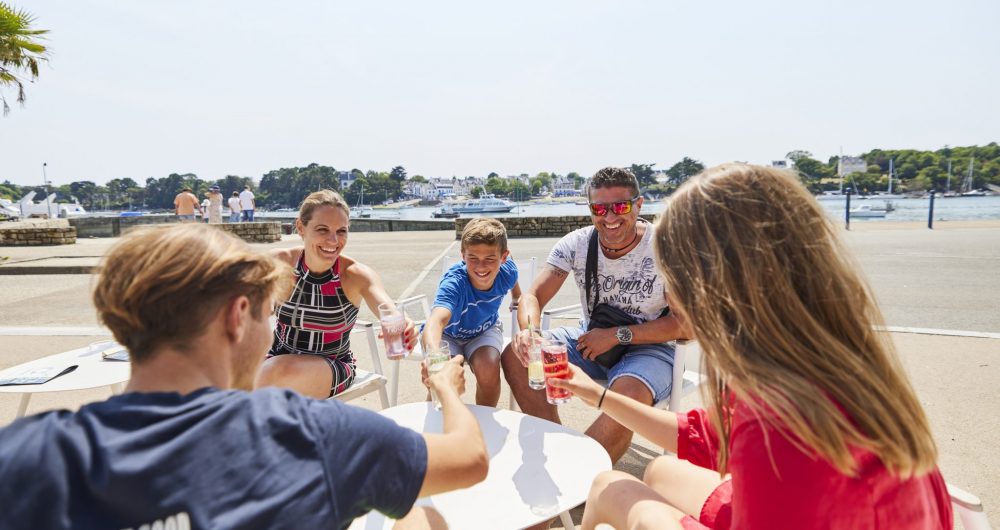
x=615 y=250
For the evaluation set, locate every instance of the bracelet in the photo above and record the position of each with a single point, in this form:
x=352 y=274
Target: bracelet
x=600 y=401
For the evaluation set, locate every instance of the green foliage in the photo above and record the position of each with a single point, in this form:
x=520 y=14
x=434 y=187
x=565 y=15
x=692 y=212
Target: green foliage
x=644 y=173
x=683 y=170
x=10 y=191
x=287 y=187
x=20 y=51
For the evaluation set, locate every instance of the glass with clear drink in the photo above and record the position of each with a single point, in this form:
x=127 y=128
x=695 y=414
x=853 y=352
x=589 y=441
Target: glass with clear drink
x=556 y=366
x=393 y=322
x=436 y=359
x=536 y=373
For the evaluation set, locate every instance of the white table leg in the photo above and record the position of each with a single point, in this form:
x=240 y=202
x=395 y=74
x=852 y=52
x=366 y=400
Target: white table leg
x=23 y=406
x=567 y=521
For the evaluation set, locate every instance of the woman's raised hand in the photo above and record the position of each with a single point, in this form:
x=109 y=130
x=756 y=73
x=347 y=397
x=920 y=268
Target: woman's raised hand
x=580 y=384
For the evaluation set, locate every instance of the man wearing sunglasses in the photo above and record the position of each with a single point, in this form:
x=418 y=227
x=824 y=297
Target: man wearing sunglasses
x=626 y=279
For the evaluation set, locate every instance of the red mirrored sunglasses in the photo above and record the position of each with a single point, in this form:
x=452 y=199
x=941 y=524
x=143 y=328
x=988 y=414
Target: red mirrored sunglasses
x=600 y=209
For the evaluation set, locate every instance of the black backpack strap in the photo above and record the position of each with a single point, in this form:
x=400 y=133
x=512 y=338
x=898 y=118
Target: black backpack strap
x=590 y=272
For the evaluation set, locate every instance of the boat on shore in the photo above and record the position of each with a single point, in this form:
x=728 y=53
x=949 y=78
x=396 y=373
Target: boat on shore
x=486 y=203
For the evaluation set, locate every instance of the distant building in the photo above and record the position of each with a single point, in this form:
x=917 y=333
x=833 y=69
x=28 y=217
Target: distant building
x=346 y=179
x=850 y=164
x=779 y=164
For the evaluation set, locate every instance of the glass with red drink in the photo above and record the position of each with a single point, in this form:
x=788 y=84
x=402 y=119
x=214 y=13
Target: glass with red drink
x=556 y=365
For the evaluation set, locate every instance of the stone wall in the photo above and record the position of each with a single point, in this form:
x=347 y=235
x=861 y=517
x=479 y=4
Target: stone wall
x=37 y=235
x=536 y=226
x=115 y=226
x=398 y=225
x=256 y=232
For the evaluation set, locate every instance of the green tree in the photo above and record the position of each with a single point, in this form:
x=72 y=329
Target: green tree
x=398 y=174
x=644 y=173
x=683 y=170
x=20 y=51
x=418 y=178
x=10 y=191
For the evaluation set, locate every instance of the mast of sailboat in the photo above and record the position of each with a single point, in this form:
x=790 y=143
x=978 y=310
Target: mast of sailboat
x=949 y=177
x=890 y=176
x=840 y=170
x=967 y=185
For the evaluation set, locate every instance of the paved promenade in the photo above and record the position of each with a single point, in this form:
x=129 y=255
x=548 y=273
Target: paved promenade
x=939 y=290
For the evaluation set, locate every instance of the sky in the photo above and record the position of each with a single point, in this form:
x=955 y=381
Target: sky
x=456 y=88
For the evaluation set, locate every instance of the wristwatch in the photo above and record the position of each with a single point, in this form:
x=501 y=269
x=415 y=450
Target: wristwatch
x=624 y=335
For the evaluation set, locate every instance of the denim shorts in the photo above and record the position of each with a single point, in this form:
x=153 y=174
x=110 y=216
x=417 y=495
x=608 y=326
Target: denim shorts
x=492 y=337
x=183 y=217
x=652 y=364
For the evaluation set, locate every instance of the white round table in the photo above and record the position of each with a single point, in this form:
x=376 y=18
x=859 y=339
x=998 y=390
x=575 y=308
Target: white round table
x=538 y=470
x=92 y=371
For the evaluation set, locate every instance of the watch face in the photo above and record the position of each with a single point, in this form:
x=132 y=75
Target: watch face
x=624 y=335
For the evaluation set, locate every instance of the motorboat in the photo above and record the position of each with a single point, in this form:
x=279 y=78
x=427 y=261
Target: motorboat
x=444 y=212
x=486 y=203
x=866 y=211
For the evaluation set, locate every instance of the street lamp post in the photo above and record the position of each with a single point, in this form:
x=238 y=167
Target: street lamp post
x=45 y=181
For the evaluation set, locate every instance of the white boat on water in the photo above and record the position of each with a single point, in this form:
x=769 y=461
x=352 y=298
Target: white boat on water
x=27 y=207
x=486 y=203
x=865 y=211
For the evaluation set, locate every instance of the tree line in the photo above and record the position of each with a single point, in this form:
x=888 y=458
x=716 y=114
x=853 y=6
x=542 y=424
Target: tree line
x=286 y=187
x=916 y=171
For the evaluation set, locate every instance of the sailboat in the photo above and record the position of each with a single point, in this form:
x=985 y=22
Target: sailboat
x=967 y=190
x=948 y=192
x=361 y=211
x=889 y=194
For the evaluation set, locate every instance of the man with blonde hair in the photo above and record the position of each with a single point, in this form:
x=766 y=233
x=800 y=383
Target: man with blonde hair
x=185 y=447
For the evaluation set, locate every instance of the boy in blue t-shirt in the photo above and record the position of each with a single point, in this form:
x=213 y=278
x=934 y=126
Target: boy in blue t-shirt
x=465 y=308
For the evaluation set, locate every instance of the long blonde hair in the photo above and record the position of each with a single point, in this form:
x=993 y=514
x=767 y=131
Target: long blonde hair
x=786 y=320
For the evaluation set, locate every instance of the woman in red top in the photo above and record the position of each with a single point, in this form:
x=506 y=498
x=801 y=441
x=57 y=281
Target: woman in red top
x=811 y=422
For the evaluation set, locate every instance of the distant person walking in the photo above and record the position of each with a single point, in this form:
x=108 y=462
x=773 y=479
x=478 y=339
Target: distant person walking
x=247 y=204
x=185 y=204
x=214 y=205
x=234 y=207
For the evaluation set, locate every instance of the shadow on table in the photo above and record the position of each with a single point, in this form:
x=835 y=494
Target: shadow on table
x=494 y=433
x=532 y=480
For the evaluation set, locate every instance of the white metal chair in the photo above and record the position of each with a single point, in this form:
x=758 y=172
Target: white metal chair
x=364 y=381
x=526 y=275
x=969 y=509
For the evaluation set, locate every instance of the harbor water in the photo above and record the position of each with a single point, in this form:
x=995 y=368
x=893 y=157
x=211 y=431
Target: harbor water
x=945 y=209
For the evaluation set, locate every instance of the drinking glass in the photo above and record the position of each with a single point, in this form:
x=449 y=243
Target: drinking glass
x=536 y=373
x=436 y=359
x=393 y=322
x=556 y=366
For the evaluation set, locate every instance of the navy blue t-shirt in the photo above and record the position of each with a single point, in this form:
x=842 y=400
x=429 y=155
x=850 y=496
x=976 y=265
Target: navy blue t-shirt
x=209 y=459
x=472 y=311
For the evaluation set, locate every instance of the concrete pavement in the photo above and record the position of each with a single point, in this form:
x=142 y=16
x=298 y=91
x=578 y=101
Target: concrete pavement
x=941 y=279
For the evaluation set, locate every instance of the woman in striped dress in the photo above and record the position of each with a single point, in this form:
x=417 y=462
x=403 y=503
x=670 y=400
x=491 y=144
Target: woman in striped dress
x=311 y=352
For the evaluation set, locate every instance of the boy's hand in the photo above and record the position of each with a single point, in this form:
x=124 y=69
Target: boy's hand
x=450 y=378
